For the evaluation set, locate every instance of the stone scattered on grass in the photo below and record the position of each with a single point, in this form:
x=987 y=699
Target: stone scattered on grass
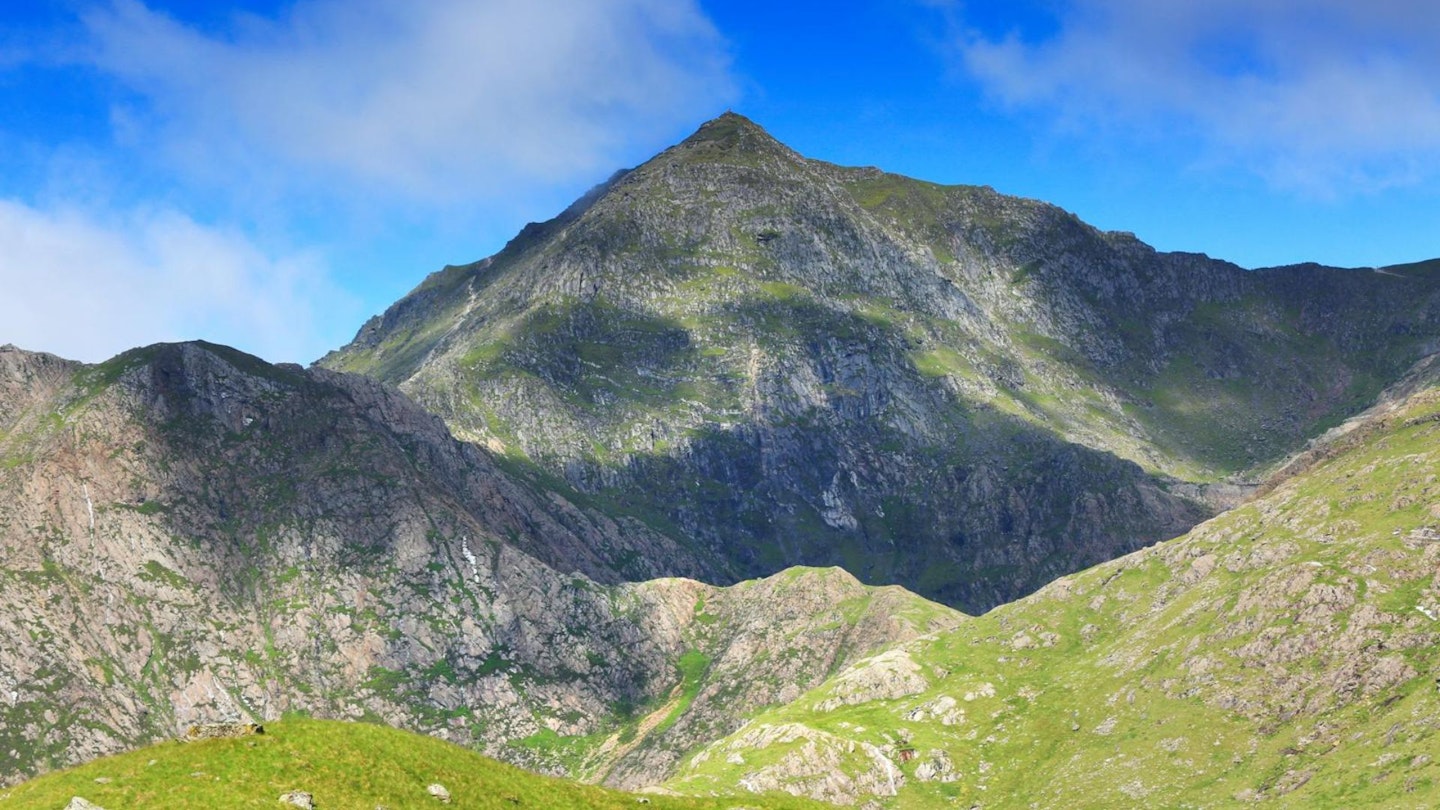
x=221 y=731
x=298 y=798
x=438 y=791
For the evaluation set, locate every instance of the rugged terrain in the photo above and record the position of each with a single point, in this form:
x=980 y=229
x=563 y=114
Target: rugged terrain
x=727 y=362
x=1285 y=653
x=190 y=534
x=777 y=361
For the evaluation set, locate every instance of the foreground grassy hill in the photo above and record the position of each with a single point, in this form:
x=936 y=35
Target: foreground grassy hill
x=1285 y=652
x=342 y=765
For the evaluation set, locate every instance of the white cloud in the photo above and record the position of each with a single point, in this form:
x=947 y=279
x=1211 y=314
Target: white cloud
x=87 y=287
x=413 y=110
x=1329 y=96
x=443 y=98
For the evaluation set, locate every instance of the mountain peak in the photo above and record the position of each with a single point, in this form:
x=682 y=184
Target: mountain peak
x=731 y=130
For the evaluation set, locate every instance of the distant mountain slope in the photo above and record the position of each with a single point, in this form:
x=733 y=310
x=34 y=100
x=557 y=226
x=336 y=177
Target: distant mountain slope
x=339 y=765
x=188 y=533
x=1285 y=652
x=776 y=360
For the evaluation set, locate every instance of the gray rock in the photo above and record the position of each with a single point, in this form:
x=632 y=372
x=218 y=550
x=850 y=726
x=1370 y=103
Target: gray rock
x=220 y=731
x=298 y=798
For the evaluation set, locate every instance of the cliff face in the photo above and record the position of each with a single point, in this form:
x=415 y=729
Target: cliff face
x=189 y=534
x=774 y=360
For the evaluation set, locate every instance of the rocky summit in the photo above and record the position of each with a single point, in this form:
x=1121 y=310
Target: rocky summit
x=773 y=361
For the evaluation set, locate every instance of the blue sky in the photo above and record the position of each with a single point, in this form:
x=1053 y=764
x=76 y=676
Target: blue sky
x=270 y=173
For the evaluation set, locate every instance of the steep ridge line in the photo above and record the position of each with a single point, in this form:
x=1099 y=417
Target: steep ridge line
x=774 y=361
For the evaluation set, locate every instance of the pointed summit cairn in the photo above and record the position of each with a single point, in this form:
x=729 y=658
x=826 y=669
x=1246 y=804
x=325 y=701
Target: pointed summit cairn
x=734 y=134
x=731 y=129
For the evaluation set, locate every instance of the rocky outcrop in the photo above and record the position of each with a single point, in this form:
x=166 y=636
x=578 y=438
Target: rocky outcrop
x=298 y=798
x=887 y=676
x=815 y=764
x=221 y=731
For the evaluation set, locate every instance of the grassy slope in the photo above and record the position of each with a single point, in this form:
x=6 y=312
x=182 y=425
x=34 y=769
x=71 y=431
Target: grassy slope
x=1284 y=651
x=343 y=765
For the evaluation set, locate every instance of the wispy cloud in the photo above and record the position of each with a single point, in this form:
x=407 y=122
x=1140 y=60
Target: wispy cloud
x=1328 y=97
x=86 y=286
x=439 y=99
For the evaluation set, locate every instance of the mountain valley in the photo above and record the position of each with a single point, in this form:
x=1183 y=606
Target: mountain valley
x=1283 y=653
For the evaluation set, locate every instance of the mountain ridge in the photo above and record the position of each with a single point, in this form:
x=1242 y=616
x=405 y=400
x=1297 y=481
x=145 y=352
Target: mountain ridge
x=189 y=534
x=798 y=340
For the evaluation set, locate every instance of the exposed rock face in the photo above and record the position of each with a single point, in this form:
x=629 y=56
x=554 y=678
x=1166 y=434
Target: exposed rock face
x=192 y=536
x=885 y=677
x=775 y=361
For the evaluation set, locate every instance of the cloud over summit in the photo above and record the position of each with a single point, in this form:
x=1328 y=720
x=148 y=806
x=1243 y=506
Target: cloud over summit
x=447 y=98
x=215 y=167
x=154 y=275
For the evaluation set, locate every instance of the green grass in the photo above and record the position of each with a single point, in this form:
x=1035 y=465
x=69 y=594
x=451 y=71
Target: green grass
x=782 y=291
x=154 y=571
x=692 y=666
x=343 y=765
x=942 y=361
